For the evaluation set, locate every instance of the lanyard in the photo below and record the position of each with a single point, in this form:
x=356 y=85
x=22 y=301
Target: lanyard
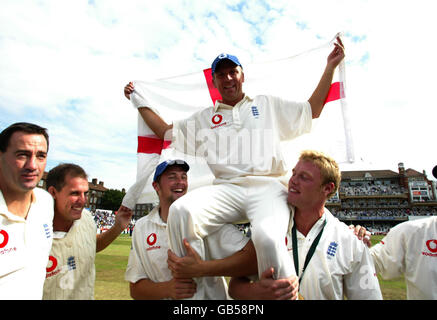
x=310 y=251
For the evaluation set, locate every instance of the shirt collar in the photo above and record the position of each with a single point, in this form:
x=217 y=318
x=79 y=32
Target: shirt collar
x=155 y=217
x=325 y=216
x=218 y=104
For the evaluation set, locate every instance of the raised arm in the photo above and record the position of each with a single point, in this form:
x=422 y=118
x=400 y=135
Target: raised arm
x=154 y=121
x=122 y=220
x=319 y=95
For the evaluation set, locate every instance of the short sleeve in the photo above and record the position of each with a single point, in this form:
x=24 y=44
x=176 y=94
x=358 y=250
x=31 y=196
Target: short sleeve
x=184 y=135
x=389 y=254
x=134 y=269
x=292 y=118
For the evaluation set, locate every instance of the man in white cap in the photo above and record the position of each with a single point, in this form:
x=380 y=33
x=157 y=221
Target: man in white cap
x=246 y=184
x=148 y=272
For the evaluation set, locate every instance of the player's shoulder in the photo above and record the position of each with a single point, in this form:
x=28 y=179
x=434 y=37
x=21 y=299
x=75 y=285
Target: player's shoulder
x=334 y=222
x=341 y=230
x=272 y=101
x=44 y=202
x=201 y=116
x=143 y=221
x=151 y=218
x=413 y=226
x=264 y=98
x=42 y=195
x=204 y=112
x=86 y=214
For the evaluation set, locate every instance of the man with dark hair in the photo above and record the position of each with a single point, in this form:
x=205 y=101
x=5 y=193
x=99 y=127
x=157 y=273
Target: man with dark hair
x=246 y=187
x=26 y=212
x=25 y=127
x=56 y=176
x=71 y=270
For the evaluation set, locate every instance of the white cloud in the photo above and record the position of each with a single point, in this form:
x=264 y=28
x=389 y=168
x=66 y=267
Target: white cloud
x=64 y=64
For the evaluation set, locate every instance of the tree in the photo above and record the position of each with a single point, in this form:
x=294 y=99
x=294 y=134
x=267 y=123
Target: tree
x=112 y=199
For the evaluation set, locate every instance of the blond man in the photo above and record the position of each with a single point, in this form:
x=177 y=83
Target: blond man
x=330 y=261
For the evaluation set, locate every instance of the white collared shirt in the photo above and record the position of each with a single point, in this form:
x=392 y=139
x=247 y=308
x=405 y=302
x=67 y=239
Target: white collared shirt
x=410 y=249
x=24 y=248
x=245 y=139
x=341 y=265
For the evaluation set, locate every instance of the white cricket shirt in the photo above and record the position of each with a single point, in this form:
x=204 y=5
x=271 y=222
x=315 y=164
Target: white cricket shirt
x=24 y=248
x=148 y=256
x=245 y=139
x=71 y=272
x=410 y=249
x=341 y=265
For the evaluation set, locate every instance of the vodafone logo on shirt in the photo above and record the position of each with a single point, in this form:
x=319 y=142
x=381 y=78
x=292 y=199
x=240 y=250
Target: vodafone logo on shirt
x=4 y=238
x=151 y=240
x=52 y=264
x=217 y=120
x=51 y=267
x=431 y=246
x=4 y=241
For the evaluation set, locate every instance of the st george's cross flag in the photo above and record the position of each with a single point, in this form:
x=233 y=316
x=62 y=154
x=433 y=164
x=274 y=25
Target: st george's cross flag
x=293 y=78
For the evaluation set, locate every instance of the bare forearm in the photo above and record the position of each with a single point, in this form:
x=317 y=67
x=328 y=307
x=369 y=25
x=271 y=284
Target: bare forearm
x=241 y=288
x=146 y=289
x=265 y=289
x=241 y=263
x=105 y=239
x=317 y=99
x=155 y=122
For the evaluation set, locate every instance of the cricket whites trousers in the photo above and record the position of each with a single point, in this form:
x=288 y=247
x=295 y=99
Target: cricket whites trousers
x=261 y=200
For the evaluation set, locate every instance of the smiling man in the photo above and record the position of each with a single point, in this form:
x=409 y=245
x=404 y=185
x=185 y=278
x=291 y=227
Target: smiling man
x=154 y=272
x=330 y=261
x=70 y=268
x=228 y=77
x=247 y=184
x=26 y=212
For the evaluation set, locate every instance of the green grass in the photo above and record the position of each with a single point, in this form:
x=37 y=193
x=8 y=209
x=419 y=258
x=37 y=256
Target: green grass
x=111 y=265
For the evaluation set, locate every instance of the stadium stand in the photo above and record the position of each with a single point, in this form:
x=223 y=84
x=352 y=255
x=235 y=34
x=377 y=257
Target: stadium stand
x=380 y=199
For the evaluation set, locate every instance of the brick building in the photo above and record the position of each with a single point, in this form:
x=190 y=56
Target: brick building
x=380 y=199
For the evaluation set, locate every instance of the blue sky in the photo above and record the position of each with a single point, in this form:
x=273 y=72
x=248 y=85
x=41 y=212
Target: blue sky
x=64 y=64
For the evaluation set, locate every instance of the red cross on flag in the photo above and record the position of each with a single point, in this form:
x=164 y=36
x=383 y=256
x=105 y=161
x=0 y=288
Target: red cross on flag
x=292 y=78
